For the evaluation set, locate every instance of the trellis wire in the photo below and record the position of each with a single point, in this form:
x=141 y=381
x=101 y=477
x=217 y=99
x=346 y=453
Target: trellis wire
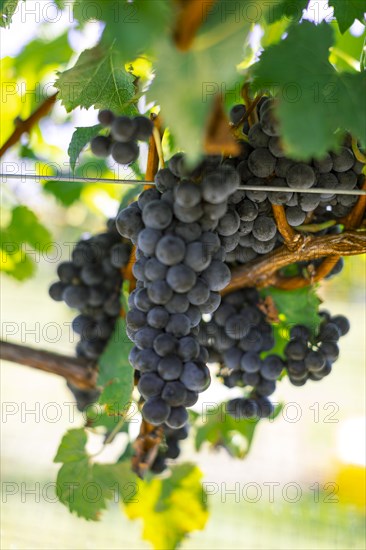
x=68 y=179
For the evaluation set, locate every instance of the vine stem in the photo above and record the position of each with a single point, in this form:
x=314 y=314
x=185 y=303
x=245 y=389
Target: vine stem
x=291 y=237
x=354 y=219
x=292 y=283
x=77 y=371
x=262 y=273
x=22 y=126
x=191 y=15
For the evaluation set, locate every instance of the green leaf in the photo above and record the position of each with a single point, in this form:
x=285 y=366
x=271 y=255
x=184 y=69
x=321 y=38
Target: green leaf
x=38 y=55
x=7 y=10
x=219 y=429
x=72 y=446
x=115 y=372
x=24 y=229
x=295 y=307
x=347 y=11
x=186 y=83
x=80 y=138
x=136 y=26
x=291 y=9
x=299 y=71
x=98 y=79
x=347 y=50
x=85 y=487
x=170 y=508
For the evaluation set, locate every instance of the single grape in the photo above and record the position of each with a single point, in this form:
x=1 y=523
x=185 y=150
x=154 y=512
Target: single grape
x=300 y=176
x=217 y=275
x=170 y=367
x=144 y=128
x=56 y=291
x=343 y=160
x=181 y=278
x=179 y=325
x=165 y=344
x=101 y=146
x=105 y=117
x=157 y=215
x=124 y=128
x=264 y=228
x=150 y=385
x=156 y=411
x=128 y=222
x=295 y=216
x=272 y=367
x=195 y=376
x=125 y=153
x=261 y=163
x=179 y=303
x=76 y=296
x=174 y=393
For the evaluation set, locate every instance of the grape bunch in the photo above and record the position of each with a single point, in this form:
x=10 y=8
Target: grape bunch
x=265 y=163
x=311 y=358
x=238 y=334
x=91 y=283
x=262 y=162
x=179 y=270
x=125 y=132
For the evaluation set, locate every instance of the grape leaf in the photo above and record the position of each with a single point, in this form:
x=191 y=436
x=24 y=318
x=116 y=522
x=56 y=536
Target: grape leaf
x=189 y=81
x=289 y=9
x=38 y=55
x=23 y=229
x=115 y=372
x=80 y=138
x=85 y=487
x=347 y=50
x=347 y=11
x=170 y=508
x=298 y=66
x=295 y=307
x=7 y=10
x=98 y=79
x=219 y=429
x=132 y=26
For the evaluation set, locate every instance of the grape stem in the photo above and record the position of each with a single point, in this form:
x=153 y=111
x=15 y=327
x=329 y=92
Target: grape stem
x=292 y=283
x=354 y=219
x=251 y=113
x=262 y=273
x=293 y=240
x=146 y=448
x=23 y=126
x=79 y=372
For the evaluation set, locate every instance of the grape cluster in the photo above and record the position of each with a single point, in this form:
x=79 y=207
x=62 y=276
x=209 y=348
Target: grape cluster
x=262 y=162
x=91 y=283
x=125 y=132
x=311 y=358
x=238 y=334
x=170 y=448
x=179 y=270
